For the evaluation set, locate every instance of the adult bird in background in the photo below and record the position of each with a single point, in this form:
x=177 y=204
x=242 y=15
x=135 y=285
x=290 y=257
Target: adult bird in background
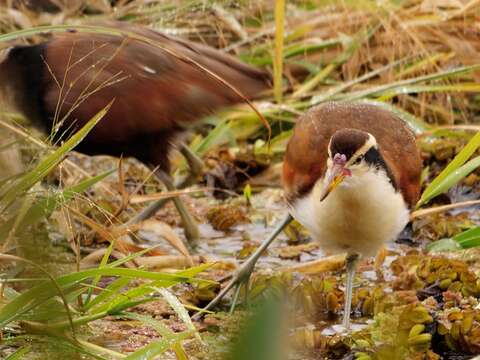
x=62 y=83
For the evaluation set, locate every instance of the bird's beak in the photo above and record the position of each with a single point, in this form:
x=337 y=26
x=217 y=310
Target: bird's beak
x=337 y=175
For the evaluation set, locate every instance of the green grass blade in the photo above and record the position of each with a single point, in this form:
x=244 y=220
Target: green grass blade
x=313 y=82
x=429 y=60
x=15 y=222
x=112 y=290
x=159 y=327
x=418 y=89
x=327 y=95
x=443 y=245
x=455 y=164
x=130 y=273
x=215 y=137
x=156 y=348
x=352 y=44
x=469 y=238
x=278 y=58
x=52 y=160
x=19 y=354
x=384 y=88
x=178 y=307
x=452 y=179
x=44 y=207
x=145 y=289
x=82 y=347
x=102 y=264
x=162 y=329
x=70 y=282
x=277 y=145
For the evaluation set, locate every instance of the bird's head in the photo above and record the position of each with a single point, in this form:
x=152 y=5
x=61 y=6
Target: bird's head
x=351 y=152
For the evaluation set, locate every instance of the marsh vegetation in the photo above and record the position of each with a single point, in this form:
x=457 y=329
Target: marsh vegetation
x=77 y=282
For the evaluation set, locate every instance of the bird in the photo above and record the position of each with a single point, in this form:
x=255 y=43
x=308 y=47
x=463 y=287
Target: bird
x=351 y=174
x=63 y=82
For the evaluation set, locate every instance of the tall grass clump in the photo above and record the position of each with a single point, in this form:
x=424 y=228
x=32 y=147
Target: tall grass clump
x=50 y=308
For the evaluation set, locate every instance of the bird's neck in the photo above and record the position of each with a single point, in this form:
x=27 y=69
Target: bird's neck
x=364 y=209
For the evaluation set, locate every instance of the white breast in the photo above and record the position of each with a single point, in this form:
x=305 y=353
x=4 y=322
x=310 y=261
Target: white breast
x=358 y=216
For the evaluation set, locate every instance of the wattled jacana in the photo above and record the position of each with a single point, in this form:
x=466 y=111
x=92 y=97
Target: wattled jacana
x=62 y=83
x=350 y=174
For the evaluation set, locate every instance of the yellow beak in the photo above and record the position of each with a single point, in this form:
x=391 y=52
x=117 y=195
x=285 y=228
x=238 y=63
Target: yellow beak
x=336 y=177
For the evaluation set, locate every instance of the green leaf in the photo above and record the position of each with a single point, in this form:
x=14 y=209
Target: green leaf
x=469 y=238
x=156 y=348
x=70 y=282
x=247 y=193
x=215 y=137
x=443 y=245
x=144 y=289
x=44 y=207
x=279 y=42
x=19 y=354
x=112 y=290
x=451 y=179
x=385 y=88
x=326 y=95
x=48 y=163
x=102 y=264
x=162 y=329
x=447 y=175
x=178 y=307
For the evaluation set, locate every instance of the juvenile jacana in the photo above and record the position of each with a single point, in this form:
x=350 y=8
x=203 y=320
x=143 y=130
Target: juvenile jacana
x=350 y=174
x=62 y=83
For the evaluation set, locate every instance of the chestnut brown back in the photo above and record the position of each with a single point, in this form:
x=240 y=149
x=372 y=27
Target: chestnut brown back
x=156 y=94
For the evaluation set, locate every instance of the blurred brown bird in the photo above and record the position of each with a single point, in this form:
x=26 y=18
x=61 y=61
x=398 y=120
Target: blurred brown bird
x=351 y=173
x=62 y=83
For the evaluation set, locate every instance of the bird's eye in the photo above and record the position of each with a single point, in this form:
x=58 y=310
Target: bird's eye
x=358 y=160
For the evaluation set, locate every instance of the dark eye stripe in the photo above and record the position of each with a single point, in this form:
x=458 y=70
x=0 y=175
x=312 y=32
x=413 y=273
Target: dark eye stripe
x=374 y=158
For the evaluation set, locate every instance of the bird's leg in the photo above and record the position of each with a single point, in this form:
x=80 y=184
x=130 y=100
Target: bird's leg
x=242 y=275
x=148 y=212
x=194 y=162
x=195 y=165
x=351 y=264
x=189 y=224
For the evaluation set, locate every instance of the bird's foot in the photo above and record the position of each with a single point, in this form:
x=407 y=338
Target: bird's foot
x=340 y=329
x=240 y=278
x=343 y=330
x=242 y=275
